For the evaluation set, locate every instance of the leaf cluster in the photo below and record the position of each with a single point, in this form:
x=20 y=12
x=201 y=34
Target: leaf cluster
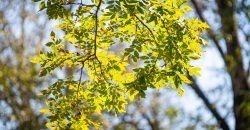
x=154 y=32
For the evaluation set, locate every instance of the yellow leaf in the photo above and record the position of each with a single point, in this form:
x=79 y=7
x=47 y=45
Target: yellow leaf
x=35 y=60
x=187 y=8
x=158 y=85
x=73 y=40
x=132 y=95
x=49 y=125
x=184 y=78
x=194 y=71
x=45 y=111
x=204 y=25
x=39 y=94
x=180 y=91
x=98 y=109
x=68 y=36
x=124 y=64
x=126 y=58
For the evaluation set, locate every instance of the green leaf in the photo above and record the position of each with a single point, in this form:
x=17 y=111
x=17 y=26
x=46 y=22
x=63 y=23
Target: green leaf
x=136 y=54
x=134 y=58
x=52 y=35
x=117 y=67
x=49 y=44
x=129 y=49
x=140 y=10
x=42 y=6
x=42 y=72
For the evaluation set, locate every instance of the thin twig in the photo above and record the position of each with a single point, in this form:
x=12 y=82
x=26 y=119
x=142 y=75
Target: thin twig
x=96 y=25
x=81 y=4
x=80 y=80
x=151 y=32
x=96 y=31
x=87 y=58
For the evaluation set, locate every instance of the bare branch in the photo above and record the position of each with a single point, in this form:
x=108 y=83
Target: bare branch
x=211 y=108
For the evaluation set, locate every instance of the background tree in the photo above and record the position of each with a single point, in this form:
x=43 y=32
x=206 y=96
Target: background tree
x=231 y=41
x=22 y=32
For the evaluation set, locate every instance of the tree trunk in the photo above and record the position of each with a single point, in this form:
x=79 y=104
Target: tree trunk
x=234 y=63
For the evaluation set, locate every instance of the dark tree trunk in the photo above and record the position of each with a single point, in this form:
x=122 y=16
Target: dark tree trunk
x=234 y=61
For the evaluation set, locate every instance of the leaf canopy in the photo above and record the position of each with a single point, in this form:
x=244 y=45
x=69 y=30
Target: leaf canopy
x=152 y=32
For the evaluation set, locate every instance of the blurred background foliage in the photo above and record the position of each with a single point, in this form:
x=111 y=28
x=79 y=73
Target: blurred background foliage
x=219 y=99
x=22 y=31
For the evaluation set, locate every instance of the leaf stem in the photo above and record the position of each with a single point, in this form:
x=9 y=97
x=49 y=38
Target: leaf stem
x=80 y=80
x=96 y=25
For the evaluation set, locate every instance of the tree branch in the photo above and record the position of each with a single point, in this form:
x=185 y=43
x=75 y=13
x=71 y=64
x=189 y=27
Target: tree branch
x=195 y=86
x=131 y=122
x=151 y=32
x=81 y=4
x=96 y=26
x=80 y=80
x=248 y=71
x=223 y=124
x=149 y=121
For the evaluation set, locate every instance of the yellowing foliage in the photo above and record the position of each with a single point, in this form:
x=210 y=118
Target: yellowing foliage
x=153 y=32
